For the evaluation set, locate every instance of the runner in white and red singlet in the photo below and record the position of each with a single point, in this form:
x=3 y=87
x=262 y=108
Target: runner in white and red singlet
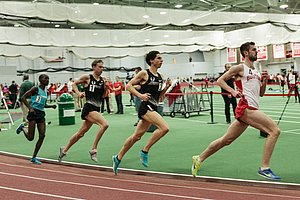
x=250 y=85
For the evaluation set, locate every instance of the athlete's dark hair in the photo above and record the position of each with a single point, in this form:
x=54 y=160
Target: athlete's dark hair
x=94 y=63
x=43 y=76
x=150 y=56
x=245 y=47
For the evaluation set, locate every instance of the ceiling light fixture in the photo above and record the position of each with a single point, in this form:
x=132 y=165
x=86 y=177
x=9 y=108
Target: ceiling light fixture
x=146 y=16
x=284 y=6
x=147 y=27
x=95 y=4
x=95 y=34
x=152 y=28
x=205 y=2
x=163 y=13
x=189 y=30
x=186 y=20
x=178 y=6
x=57 y=25
x=72 y=27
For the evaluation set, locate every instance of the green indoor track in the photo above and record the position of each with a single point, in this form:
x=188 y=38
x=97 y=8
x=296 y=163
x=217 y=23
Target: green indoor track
x=173 y=153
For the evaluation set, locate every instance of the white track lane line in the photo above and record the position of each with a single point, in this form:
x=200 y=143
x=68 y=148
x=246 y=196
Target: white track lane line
x=38 y=193
x=104 y=187
x=156 y=184
x=298 y=130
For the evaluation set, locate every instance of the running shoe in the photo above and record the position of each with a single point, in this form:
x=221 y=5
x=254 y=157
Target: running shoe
x=20 y=128
x=35 y=161
x=195 y=166
x=269 y=174
x=93 y=154
x=116 y=163
x=144 y=158
x=61 y=154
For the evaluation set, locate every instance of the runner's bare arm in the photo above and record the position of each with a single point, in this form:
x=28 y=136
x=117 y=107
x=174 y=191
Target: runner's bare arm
x=29 y=93
x=236 y=71
x=84 y=79
x=141 y=77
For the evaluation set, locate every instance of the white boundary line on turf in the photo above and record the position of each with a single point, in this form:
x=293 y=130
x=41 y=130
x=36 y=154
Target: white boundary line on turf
x=38 y=193
x=220 y=123
x=175 y=175
x=152 y=183
x=292 y=132
x=268 y=112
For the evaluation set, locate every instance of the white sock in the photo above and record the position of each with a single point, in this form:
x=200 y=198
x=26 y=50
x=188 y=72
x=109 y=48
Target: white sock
x=264 y=168
x=199 y=160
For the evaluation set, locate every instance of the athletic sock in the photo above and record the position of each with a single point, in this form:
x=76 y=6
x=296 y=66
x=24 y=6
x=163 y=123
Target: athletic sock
x=264 y=168
x=199 y=160
x=144 y=152
x=118 y=158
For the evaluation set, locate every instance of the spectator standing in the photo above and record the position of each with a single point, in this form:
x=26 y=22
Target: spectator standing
x=105 y=99
x=227 y=97
x=118 y=88
x=280 y=80
x=25 y=86
x=110 y=90
x=293 y=85
x=13 y=91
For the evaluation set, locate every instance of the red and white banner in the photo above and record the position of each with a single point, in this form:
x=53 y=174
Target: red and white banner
x=295 y=50
x=278 y=51
x=262 y=53
x=231 y=55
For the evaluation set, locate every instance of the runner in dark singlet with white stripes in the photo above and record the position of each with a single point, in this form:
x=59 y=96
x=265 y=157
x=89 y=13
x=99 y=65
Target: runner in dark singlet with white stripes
x=93 y=93
x=94 y=88
x=153 y=86
x=151 y=93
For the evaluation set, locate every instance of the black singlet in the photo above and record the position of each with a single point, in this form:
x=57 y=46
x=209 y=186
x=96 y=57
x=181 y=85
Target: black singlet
x=153 y=86
x=94 y=91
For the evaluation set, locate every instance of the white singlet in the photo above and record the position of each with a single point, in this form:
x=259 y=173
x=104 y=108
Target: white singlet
x=249 y=86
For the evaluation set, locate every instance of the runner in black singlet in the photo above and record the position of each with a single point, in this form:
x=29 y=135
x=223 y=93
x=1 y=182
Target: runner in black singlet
x=94 y=89
x=151 y=93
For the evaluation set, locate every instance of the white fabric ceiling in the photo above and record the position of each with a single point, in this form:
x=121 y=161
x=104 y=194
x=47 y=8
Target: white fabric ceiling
x=87 y=13
x=31 y=42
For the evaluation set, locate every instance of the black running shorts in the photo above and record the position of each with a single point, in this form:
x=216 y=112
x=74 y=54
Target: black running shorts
x=37 y=115
x=144 y=107
x=87 y=108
